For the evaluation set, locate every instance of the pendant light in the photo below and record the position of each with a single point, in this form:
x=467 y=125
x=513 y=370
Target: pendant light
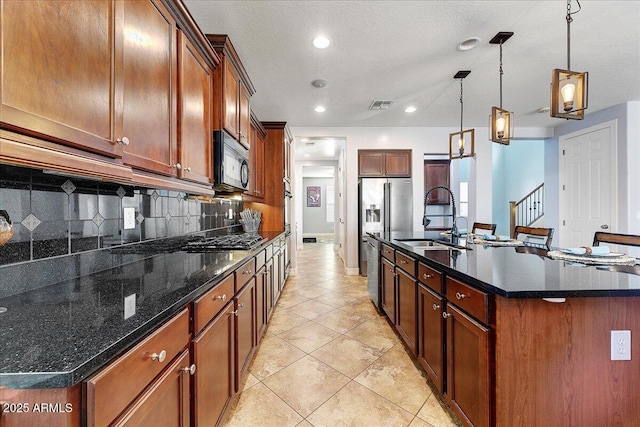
x=569 y=88
x=501 y=125
x=462 y=144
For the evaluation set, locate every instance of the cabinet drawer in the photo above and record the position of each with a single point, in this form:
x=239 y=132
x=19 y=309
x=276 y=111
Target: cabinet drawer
x=388 y=252
x=269 y=251
x=244 y=273
x=406 y=263
x=115 y=387
x=260 y=259
x=430 y=277
x=471 y=300
x=208 y=305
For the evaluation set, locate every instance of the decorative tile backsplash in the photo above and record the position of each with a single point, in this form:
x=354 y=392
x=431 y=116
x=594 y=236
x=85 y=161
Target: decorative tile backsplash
x=55 y=215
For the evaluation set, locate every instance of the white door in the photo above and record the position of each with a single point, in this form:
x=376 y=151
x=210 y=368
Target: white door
x=588 y=187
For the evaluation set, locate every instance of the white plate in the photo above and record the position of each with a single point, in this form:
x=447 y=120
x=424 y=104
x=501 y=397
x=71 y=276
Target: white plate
x=609 y=255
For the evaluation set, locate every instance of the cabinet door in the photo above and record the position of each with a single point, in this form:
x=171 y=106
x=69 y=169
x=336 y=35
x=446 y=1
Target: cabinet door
x=166 y=402
x=436 y=173
x=261 y=303
x=253 y=160
x=407 y=310
x=213 y=356
x=195 y=98
x=231 y=90
x=258 y=170
x=244 y=115
x=269 y=288
x=370 y=163
x=431 y=335
x=388 y=300
x=56 y=77
x=468 y=384
x=276 y=278
x=245 y=328
x=398 y=163
x=147 y=104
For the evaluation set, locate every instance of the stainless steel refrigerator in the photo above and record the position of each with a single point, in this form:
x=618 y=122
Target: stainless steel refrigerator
x=386 y=204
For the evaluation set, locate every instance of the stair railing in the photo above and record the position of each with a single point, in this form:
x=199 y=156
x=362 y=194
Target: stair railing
x=527 y=210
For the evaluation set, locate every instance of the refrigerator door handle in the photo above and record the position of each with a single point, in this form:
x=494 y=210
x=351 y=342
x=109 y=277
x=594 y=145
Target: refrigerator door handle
x=387 y=207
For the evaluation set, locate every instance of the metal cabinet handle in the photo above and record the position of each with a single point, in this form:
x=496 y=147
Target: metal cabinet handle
x=190 y=369
x=445 y=314
x=427 y=276
x=177 y=166
x=188 y=169
x=159 y=356
x=241 y=305
x=460 y=296
x=123 y=141
x=222 y=297
x=403 y=261
x=436 y=306
x=235 y=312
x=247 y=272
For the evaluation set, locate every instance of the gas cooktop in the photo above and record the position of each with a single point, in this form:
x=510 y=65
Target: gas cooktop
x=243 y=241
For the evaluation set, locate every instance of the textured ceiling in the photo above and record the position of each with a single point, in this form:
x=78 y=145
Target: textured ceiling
x=405 y=51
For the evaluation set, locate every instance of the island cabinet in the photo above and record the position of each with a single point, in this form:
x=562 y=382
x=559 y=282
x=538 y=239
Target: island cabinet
x=407 y=298
x=214 y=337
x=468 y=354
x=431 y=324
x=232 y=112
x=384 y=163
x=114 y=394
x=388 y=288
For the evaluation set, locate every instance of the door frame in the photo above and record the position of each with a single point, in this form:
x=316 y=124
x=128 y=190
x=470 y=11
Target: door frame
x=612 y=126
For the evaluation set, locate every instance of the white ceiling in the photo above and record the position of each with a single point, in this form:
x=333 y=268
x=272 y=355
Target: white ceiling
x=405 y=51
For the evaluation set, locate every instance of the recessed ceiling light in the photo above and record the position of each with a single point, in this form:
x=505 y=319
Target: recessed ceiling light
x=410 y=109
x=469 y=43
x=321 y=42
x=320 y=109
x=319 y=83
x=304 y=139
x=307 y=155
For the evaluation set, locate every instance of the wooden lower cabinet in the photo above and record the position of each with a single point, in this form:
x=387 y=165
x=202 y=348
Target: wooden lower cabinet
x=213 y=385
x=431 y=335
x=261 y=302
x=388 y=298
x=245 y=312
x=407 y=314
x=268 y=278
x=468 y=368
x=166 y=402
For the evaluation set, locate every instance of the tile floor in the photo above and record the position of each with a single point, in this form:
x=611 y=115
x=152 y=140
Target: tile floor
x=329 y=359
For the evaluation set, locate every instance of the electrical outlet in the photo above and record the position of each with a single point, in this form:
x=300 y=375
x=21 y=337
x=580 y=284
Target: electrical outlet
x=129 y=306
x=129 y=218
x=620 y=345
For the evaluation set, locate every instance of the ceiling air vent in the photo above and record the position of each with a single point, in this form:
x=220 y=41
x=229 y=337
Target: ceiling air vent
x=380 y=105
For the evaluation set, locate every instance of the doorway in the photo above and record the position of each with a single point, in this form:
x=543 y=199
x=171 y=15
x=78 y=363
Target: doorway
x=319 y=207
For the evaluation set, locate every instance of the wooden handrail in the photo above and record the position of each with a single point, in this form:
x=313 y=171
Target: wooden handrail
x=527 y=210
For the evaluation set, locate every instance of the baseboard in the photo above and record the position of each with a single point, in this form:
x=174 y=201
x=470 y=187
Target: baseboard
x=355 y=271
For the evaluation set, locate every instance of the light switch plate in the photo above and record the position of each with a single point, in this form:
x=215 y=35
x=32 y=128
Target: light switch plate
x=620 y=345
x=129 y=218
x=129 y=306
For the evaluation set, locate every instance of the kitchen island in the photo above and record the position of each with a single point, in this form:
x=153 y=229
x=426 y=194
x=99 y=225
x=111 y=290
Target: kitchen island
x=512 y=337
x=101 y=305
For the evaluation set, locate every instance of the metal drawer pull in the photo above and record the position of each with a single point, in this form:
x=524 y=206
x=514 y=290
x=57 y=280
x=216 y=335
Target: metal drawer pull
x=177 y=166
x=436 y=306
x=159 y=356
x=190 y=369
x=427 y=276
x=241 y=305
x=247 y=272
x=403 y=261
x=188 y=168
x=460 y=296
x=123 y=141
x=235 y=312
x=222 y=297
x=445 y=314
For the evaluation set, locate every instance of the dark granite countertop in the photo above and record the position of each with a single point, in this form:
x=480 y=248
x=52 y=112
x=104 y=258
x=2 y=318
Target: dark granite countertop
x=58 y=335
x=519 y=272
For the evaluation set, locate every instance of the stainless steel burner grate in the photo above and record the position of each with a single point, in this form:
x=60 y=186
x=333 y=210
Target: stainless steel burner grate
x=228 y=241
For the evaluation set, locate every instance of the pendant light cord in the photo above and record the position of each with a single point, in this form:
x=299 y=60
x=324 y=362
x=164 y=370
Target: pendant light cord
x=461 y=106
x=501 y=72
x=569 y=21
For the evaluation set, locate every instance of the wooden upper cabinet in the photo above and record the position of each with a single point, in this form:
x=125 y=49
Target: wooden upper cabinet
x=436 y=173
x=233 y=110
x=194 y=106
x=56 y=76
x=384 y=163
x=257 y=134
x=147 y=108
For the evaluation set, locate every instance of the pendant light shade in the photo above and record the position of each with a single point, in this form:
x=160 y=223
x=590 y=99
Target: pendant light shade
x=569 y=96
x=462 y=144
x=501 y=120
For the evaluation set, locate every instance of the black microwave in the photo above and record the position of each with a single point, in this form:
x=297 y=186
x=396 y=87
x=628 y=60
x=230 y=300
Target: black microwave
x=230 y=163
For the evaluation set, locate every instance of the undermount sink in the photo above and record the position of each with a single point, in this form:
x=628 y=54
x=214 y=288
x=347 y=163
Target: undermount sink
x=430 y=245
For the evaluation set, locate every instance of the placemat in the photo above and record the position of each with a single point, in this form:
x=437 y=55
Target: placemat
x=480 y=241
x=583 y=259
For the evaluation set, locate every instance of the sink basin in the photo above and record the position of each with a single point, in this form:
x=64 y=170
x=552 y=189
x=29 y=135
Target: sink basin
x=430 y=245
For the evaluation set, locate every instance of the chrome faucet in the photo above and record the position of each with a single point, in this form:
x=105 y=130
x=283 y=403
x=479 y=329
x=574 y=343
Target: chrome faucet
x=426 y=221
